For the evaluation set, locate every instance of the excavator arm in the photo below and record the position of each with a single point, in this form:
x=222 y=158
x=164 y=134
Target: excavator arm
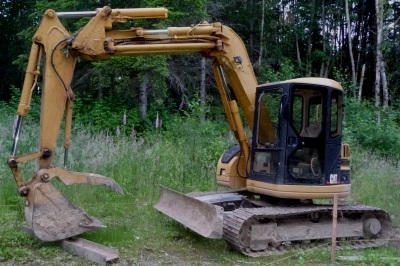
x=48 y=213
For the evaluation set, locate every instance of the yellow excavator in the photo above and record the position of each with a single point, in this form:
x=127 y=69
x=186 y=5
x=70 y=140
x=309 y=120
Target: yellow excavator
x=295 y=153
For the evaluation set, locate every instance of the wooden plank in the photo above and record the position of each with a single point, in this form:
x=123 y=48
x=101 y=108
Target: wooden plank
x=361 y=258
x=334 y=228
x=84 y=248
x=90 y=250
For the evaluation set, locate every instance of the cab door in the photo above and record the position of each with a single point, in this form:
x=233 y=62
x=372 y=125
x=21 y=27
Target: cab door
x=305 y=150
x=269 y=136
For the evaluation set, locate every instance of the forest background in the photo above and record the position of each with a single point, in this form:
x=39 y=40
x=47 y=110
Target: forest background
x=355 y=42
x=352 y=41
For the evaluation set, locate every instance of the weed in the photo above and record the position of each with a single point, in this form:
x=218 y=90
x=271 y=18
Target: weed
x=180 y=159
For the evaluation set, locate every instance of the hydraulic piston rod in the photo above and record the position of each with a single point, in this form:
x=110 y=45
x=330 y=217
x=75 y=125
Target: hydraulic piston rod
x=131 y=13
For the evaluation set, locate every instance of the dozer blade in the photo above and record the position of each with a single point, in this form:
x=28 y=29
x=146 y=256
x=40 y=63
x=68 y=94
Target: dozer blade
x=52 y=217
x=203 y=218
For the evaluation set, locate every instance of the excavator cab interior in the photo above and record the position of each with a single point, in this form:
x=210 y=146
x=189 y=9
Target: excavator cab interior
x=306 y=145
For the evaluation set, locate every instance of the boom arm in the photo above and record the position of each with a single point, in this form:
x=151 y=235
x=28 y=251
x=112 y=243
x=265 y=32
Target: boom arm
x=231 y=63
x=98 y=41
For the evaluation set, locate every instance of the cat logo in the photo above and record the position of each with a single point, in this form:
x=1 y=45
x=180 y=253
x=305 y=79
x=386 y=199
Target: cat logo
x=333 y=178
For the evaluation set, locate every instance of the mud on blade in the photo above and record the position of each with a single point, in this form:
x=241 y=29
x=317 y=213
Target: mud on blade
x=203 y=218
x=52 y=217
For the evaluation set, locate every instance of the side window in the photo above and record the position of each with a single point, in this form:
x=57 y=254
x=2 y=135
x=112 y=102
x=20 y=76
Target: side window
x=336 y=114
x=315 y=111
x=307 y=111
x=269 y=113
x=266 y=155
x=297 y=112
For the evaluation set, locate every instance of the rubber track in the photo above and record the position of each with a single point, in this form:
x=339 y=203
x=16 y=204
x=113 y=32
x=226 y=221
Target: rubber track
x=233 y=222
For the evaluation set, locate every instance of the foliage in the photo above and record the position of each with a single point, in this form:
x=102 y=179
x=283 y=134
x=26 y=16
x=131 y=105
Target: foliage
x=124 y=82
x=297 y=41
x=205 y=138
x=343 y=77
x=362 y=130
x=374 y=181
x=11 y=105
x=12 y=245
x=284 y=70
x=294 y=45
x=181 y=156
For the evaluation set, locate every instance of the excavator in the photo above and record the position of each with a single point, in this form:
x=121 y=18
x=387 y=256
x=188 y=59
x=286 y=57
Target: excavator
x=294 y=155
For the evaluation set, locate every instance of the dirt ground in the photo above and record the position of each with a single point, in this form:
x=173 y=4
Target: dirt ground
x=395 y=239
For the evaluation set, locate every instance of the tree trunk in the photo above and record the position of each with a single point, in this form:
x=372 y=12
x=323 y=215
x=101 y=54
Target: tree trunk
x=377 y=83
x=359 y=36
x=112 y=84
x=309 y=41
x=331 y=36
x=361 y=82
x=251 y=28
x=353 y=69
x=299 y=56
x=100 y=92
x=380 y=75
x=322 y=69
x=203 y=82
x=385 y=92
x=143 y=97
x=260 y=55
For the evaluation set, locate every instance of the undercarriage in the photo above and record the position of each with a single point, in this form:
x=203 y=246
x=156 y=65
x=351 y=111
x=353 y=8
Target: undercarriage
x=261 y=226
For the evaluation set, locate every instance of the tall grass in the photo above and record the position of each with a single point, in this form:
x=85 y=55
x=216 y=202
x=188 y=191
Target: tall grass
x=182 y=158
x=9 y=198
x=376 y=182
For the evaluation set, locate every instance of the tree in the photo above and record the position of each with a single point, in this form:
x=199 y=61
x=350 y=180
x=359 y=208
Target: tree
x=380 y=74
x=284 y=38
x=353 y=68
x=14 y=18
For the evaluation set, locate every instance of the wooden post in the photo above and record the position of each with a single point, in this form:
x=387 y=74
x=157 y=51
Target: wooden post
x=334 y=227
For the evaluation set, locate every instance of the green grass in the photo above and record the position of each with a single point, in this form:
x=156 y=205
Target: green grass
x=376 y=182
x=181 y=160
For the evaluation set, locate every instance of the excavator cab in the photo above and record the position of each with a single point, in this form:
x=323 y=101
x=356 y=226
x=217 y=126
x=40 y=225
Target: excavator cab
x=305 y=148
